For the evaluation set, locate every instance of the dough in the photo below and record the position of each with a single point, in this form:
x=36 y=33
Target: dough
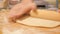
x=46 y=14
x=31 y=21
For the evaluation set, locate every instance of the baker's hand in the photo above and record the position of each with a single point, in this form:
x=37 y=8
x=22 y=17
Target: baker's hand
x=59 y=10
x=20 y=9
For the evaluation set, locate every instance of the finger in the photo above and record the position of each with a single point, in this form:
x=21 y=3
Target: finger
x=34 y=8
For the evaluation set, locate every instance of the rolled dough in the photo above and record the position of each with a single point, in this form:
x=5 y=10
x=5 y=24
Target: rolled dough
x=46 y=14
x=38 y=22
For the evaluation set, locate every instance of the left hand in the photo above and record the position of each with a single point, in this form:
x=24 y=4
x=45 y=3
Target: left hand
x=20 y=9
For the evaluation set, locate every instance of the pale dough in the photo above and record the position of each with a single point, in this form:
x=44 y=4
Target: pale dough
x=38 y=22
x=46 y=14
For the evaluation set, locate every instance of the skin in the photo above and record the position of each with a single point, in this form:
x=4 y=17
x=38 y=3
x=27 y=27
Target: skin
x=59 y=10
x=20 y=9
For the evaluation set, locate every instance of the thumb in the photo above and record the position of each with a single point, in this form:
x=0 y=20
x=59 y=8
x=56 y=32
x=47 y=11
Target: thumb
x=34 y=8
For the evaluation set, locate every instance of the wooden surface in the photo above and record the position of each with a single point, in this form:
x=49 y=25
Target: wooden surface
x=24 y=29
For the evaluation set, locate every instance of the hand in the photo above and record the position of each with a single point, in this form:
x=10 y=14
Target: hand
x=20 y=9
x=59 y=11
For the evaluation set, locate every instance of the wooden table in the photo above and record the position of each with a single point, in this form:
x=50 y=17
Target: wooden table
x=28 y=29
